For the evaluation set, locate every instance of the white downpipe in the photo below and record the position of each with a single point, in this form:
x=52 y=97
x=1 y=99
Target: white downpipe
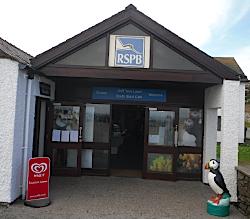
x=26 y=138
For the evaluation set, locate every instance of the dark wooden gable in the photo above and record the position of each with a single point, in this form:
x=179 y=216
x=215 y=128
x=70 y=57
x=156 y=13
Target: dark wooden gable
x=202 y=68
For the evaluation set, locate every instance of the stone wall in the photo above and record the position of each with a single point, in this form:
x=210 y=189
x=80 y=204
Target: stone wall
x=243 y=178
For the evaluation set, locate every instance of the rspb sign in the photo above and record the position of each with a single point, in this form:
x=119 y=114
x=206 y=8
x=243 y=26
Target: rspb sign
x=129 y=51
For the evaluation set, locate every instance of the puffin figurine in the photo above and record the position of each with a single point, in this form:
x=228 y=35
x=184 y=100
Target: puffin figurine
x=216 y=181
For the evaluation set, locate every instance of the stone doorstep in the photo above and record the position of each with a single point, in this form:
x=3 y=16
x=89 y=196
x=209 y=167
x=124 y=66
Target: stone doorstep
x=4 y=204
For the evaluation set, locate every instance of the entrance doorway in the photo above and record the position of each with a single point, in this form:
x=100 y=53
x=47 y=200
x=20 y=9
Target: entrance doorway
x=127 y=140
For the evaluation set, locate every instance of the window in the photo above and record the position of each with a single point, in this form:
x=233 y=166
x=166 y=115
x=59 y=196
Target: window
x=97 y=123
x=219 y=123
x=161 y=130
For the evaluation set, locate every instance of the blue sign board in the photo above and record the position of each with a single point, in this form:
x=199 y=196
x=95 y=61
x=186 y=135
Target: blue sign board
x=129 y=51
x=129 y=94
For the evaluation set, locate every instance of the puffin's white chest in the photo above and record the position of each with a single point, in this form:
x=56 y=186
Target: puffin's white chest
x=212 y=183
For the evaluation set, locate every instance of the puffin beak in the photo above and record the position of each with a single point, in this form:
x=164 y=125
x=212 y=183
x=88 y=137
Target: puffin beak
x=206 y=166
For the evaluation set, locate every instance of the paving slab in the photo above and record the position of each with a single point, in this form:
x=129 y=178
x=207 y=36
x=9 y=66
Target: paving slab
x=93 y=197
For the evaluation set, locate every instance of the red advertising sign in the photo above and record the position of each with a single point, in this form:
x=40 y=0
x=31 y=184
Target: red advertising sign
x=38 y=178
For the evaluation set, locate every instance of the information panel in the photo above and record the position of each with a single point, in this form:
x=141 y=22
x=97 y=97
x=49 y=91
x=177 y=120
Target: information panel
x=129 y=94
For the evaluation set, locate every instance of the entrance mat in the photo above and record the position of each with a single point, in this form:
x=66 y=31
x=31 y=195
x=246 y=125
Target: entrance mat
x=126 y=173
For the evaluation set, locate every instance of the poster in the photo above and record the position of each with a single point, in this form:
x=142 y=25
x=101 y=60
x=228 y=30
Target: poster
x=74 y=136
x=64 y=136
x=66 y=119
x=154 y=139
x=56 y=135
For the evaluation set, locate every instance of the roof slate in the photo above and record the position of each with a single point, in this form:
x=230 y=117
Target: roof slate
x=231 y=63
x=7 y=50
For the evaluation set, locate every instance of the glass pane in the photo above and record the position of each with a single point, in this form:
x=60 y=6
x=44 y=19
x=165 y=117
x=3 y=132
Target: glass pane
x=65 y=123
x=87 y=157
x=190 y=127
x=97 y=123
x=100 y=159
x=91 y=55
x=161 y=128
x=160 y=162
x=96 y=159
x=63 y=158
x=166 y=58
x=189 y=163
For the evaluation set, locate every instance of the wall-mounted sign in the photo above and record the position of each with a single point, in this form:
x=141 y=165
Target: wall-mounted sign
x=38 y=178
x=129 y=94
x=44 y=89
x=129 y=51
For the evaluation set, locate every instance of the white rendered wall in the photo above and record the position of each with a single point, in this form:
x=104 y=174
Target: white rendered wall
x=10 y=148
x=13 y=88
x=18 y=135
x=230 y=98
x=213 y=97
x=210 y=141
x=229 y=134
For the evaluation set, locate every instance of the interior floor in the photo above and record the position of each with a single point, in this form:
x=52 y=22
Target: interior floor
x=127 y=139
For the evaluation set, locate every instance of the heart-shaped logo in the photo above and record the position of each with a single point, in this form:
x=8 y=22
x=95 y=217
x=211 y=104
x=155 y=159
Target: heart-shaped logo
x=39 y=168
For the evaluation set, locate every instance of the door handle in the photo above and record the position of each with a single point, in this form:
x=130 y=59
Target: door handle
x=80 y=134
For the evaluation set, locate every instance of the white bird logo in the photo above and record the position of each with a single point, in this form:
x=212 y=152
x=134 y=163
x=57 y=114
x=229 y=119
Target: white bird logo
x=127 y=46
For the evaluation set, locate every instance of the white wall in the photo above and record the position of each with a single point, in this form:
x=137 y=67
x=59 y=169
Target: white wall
x=10 y=148
x=241 y=130
x=230 y=116
x=213 y=100
x=229 y=97
x=18 y=134
x=13 y=89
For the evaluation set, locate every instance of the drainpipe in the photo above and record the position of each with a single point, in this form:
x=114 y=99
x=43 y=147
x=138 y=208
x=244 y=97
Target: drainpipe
x=26 y=135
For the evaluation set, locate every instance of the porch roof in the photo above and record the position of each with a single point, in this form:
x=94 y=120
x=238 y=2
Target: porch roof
x=214 y=71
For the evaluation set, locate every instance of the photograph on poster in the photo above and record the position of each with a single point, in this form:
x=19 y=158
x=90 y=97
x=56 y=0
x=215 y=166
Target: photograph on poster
x=190 y=127
x=189 y=163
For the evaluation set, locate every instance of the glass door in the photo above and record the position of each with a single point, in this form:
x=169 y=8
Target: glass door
x=95 y=151
x=159 y=143
x=64 y=138
x=189 y=145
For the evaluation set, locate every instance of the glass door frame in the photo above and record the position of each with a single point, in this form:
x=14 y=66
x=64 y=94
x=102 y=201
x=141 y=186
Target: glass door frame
x=149 y=148
x=97 y=145
x=194 y=150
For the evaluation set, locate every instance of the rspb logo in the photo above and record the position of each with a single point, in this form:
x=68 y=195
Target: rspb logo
x=129 y=51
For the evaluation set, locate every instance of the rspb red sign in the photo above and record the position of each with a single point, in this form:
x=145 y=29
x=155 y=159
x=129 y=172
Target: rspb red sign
x=38 y=178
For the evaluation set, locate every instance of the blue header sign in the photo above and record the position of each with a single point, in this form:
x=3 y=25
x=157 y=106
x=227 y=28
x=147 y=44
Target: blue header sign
x=129 y=51
x=129 y=94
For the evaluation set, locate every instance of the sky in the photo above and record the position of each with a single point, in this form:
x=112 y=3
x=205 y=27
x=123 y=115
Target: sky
x=218 y=27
